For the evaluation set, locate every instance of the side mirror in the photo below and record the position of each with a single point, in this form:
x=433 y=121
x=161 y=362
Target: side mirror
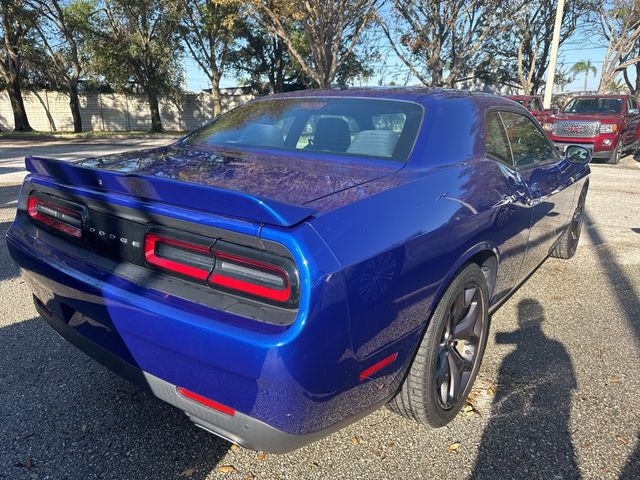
x=578 y=155
x=633 y=111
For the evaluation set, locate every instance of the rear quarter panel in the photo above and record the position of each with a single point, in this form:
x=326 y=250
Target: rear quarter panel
x=400 y=248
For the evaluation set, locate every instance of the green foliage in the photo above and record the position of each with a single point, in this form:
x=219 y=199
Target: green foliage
x=136 y=42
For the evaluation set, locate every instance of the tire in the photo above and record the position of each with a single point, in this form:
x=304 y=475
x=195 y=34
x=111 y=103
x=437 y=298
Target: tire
x=426 y=395
x=616 y=155
x=568 y=243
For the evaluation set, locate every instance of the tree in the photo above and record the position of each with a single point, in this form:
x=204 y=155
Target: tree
x=61 y=28
x=265 y=61
x=522 y=49
x=16 y=25
x=586 y=67
x=634 y=87
x=438 y=41
x=210 y=31
x=620 y=27
x=331 y=30
x=138 y=40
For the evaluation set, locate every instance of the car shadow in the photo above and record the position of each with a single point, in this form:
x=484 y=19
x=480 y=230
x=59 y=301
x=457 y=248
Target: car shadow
x=65 y=416
x=528 y=435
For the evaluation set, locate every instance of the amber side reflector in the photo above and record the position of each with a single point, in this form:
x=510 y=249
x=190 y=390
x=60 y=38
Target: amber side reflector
x=378 y=366
x=206 y=401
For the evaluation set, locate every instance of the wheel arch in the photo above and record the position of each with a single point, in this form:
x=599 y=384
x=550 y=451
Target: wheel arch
x=486 y=255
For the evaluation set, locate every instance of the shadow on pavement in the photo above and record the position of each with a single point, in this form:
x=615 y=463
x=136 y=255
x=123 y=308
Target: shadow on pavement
x=528 y=434
x=630 y=305
x=62 y=415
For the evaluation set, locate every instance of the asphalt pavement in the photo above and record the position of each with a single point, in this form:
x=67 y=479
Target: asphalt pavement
x=556 y=398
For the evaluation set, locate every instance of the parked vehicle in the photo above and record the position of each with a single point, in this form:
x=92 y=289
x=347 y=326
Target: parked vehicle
x=303 y=259
x=533 y=103
x=608 y=125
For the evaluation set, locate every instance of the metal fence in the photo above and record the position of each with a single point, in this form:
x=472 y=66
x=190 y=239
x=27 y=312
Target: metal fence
x=49 y=111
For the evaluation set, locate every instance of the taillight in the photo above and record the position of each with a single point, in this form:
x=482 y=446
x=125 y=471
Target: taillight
x=178 y=256
x=224 y=266
x=251 y=277
x=56 y=214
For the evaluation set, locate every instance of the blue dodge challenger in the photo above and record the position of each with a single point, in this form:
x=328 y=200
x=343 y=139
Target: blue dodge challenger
x=305 y=258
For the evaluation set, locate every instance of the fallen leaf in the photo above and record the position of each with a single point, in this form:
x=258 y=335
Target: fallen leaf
x=261 y=456
x=491 y=391
x=467 y=410
x=226 y=469
x=29 y=463
x=355 y=440
x=616 y=378
x=622 y=440
x=234 y=447
x=188 y=472
x=454 y=447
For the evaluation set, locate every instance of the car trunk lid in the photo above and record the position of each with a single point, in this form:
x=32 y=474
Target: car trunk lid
x=255 y=186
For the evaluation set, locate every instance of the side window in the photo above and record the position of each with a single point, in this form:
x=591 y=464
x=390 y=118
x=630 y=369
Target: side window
x=495 y=139
x=634 y=103
x=528 y=144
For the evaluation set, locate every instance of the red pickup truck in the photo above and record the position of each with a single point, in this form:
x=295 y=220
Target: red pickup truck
x=609 y=125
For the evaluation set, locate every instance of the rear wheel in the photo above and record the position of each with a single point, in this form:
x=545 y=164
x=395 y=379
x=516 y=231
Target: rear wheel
x=568 y=243
x=447 y=361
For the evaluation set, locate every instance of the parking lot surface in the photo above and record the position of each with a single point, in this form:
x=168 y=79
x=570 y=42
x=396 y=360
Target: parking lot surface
x=556 y=398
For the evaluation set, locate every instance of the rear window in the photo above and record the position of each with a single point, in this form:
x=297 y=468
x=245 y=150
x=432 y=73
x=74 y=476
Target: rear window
x=384 y=129
x=594 y=105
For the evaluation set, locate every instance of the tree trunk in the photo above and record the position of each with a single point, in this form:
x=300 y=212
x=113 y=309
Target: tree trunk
x=278 y=67
x=74 y=104
x=586 y=76
x=217 y=96
x=20 y=120
x=152 y=97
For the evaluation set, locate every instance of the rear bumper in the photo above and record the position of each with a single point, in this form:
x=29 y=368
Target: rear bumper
x=237 y=428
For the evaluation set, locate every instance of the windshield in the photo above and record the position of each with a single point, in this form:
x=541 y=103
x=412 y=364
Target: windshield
x=364 y=127
x=594 y=105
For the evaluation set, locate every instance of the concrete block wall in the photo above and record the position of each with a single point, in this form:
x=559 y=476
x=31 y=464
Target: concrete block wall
x=49 y=111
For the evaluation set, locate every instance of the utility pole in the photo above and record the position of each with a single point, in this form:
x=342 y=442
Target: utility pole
x=551 y=72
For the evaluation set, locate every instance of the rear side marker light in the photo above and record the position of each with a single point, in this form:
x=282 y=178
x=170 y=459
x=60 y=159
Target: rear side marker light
x=206 y=401
x=177 y=256
x=251 y=277
x=55 y=216
x=378 y=366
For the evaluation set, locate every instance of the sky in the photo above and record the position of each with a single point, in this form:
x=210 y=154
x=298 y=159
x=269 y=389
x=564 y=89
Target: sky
x=572 y=51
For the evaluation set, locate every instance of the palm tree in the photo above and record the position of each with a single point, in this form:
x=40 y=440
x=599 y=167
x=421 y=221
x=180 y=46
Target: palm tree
x=586 y=67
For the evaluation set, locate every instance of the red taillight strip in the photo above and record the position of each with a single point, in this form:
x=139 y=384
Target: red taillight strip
x=248 y=287
x=206 y=401
x=378 y=366
x=150 y=241
x=32 y=208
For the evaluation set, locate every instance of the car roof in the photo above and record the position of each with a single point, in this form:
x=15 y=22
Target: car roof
x=421 y=95
x=398 y=93
x=604 y=95
x=521 y=97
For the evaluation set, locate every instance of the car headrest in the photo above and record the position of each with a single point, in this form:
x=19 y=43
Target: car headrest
x=332 y=134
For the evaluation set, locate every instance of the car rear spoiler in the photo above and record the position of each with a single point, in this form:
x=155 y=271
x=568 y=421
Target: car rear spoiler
x=208 y=199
